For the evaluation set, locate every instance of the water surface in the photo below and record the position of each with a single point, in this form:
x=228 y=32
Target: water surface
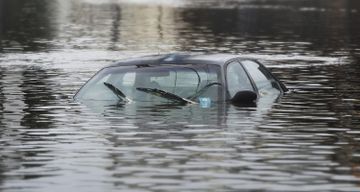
x=305 y=141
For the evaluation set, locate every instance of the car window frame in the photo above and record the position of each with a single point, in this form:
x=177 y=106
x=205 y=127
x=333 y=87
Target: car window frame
x=266 y=73
x=255 y=89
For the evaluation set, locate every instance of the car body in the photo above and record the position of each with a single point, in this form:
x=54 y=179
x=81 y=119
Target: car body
x=183 y=78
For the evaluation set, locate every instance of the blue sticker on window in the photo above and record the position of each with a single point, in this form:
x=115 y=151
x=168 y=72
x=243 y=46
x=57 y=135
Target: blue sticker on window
x=205 y=102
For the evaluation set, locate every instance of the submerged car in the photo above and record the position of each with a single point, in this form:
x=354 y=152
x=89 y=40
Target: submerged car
x=182 y=79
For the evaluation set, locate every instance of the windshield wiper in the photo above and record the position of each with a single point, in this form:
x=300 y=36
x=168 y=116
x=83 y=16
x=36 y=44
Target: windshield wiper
x=117 y=92
x=166 y=95
x=201 y=91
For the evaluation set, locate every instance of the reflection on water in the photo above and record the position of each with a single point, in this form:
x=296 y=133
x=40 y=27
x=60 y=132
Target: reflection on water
x=306 y=141
x=26 y=25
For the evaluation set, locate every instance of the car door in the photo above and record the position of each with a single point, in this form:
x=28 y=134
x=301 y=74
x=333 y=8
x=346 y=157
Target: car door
x=264 y=81
x=237 y=79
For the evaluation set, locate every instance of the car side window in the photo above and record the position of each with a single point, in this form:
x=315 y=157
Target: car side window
x=262 y=78
x=237 y=79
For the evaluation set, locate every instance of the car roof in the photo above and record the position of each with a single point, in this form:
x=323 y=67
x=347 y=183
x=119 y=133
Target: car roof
x=178 y=58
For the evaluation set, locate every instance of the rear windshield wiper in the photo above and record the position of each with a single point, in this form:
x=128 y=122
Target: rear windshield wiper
x=117 y=92
x=166 y=95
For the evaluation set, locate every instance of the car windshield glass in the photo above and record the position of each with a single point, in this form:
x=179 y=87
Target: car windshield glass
x=182 y=81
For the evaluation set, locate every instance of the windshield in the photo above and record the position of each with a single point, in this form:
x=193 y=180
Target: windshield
x=129 y=83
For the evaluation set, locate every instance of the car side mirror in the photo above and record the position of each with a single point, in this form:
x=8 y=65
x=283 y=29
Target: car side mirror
x=244 y=97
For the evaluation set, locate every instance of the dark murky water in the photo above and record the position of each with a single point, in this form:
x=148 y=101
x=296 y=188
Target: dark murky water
x=307 y=141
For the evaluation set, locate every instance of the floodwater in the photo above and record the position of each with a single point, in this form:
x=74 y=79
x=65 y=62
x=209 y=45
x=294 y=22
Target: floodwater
x=307 y=140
